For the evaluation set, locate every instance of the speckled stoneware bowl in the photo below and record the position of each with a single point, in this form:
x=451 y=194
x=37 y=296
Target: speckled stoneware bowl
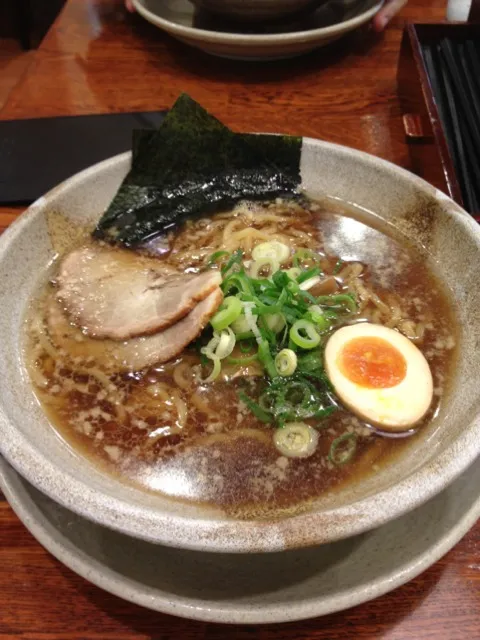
x=252 y=588
x=294 y=36
x=256 y=10
x=445 y=448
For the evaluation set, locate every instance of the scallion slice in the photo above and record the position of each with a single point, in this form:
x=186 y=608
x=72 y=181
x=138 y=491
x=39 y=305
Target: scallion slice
x=308 y=274
x=343 y=449
x=215 y=372
x=286 y=362
x=319 y=318
x=216 y=256
x=240 y=325
x=311 y=282
x=226 y=344
x=296 y=440
x=303 y=256
x=266 y=359
x=304 y=334
x=272 y=249
x=229 y=312
x=237 y=281
x=246 y=345
x=293 y=272
x=242 y=361
x=341 y=299
x=221 y=345
x=275 y=321
x=267 y=261
x=235 y=258
x=255 y=408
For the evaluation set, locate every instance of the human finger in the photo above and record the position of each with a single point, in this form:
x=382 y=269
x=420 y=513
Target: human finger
x=386 y=13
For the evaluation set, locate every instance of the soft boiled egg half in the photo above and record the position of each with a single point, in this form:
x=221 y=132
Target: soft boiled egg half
x=379 y=375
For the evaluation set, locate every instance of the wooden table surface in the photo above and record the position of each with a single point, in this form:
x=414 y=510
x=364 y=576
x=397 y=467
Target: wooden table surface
x=97 y=59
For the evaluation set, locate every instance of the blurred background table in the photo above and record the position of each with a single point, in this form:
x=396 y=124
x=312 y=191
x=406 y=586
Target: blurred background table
x=96 y=58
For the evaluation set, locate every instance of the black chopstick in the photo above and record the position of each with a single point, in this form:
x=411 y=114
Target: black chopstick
x=474 y=61
x=467 y=108
x=471 y=84
x=458 y=144
x=441 y=100
x=460 y=84
x=453 y=68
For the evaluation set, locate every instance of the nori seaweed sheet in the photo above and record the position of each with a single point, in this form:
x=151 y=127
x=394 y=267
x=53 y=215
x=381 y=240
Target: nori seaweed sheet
x=194 y=165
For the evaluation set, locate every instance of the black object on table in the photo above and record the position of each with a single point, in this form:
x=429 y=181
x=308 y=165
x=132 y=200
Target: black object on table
x=38 y=154
x=453 y=67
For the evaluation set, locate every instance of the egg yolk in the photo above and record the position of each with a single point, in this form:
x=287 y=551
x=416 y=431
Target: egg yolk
x=372 y=363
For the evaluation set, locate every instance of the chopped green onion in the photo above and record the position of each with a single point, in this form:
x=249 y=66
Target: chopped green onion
x=267 y=261
x=293 y=272
x=280 y=279
x=252 y=321
x=331 y=316
x=315 y=308
x=296 y=398
x=221 y=345
x=273 y=249
x=275 y=321
x=229 y=311
x=247 y=335
x=319 y=318
x=309 y=362
x=283 y=339
x=235 y=258
x=237 y=281
x=265 y=332
x=297 y=392
x=342 y=299
x=323 y=412
x=304 y=255
x=266 y=359
x=311 y=282
x=278 y=316
x=293 y=287
x=286 y=362
x=343 y=449
x=217 y=367
x=308 y=274
x=266 y=309
x=242 y=361
x=255 y=408
x=226 y=344
x=209 y=349
x=307 y=297
x=291 y=344
x=296 y=440
x=240 y=325
x=215 y=256
x=308 y=341
x=246 y=345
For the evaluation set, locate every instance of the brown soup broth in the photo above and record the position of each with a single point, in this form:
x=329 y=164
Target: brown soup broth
x=164 y=430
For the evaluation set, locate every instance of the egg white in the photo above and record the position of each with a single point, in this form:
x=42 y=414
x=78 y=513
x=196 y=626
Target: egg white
x=396 y=408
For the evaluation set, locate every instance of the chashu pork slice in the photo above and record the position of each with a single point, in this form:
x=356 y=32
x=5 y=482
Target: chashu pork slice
x=136 y=353
x=118 y=294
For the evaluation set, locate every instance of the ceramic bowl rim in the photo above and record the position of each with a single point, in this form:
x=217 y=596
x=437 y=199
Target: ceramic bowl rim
x=311 y=35
x=208 y=534
x=188 y=607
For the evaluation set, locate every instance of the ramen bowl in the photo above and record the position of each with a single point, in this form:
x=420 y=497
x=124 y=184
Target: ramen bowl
x=444 y=448
x=256 y=10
